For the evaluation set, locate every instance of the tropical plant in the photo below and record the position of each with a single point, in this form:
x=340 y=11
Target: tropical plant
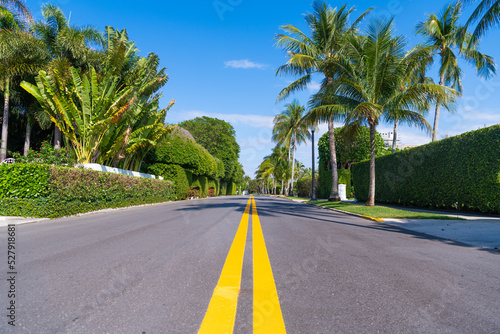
x=19 y=6
x=368 y=86
x=312 y=54
x=289 y=131
x=89 y=106
x=219 y=138
x=21 y=54
x=69 y=46
x=488 y=14
x=447 y=37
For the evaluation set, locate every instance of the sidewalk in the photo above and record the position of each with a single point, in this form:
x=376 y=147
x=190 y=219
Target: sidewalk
x=477 y=230
x=6 y=220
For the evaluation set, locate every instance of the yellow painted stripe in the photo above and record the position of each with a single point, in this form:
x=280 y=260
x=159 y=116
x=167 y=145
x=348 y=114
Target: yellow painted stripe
x=221 y=311
x=267 y=316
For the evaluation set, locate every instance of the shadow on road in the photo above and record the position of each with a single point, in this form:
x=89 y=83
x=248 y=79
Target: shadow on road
x=276 y=207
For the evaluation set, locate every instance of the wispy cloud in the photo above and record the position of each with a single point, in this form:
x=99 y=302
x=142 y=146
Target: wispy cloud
x=244 y=63
x=313 y=86
x=256 y=121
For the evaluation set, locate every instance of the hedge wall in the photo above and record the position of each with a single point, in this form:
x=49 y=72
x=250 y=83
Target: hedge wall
x=188 y=154
x=34 y=190
x=325 y=181
x=175 y=173
x=461 y=172
x=304 y=187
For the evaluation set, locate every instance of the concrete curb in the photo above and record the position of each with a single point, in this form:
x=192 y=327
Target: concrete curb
x=348 y=213
x=379 y=220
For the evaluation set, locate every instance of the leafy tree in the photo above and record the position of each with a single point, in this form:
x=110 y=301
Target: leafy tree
x=219 y=138
x=350 y=148
x=312 y=54
x=447 y=37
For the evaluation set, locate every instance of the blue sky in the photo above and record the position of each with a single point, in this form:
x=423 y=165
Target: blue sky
x=221 y=61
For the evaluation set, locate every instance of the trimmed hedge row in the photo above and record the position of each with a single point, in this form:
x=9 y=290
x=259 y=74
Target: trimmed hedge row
x=184 y=181
x=189 y=155
x=51 y=191
x=461 y=172
x=325 y=180
x=304 y=187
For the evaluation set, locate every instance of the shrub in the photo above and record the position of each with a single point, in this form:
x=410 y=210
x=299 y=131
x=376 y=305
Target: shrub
x=325 y=181
x=461 y=172
x=188 y=154
x=175 y=173
x=304 y=187
x=47 y=155
x=51 y=191
x=22 y=180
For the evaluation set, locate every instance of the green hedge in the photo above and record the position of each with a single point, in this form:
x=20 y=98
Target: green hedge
x=303 y=187
x=24 y=180
x=325 y=181
x=188 y=154
x=65 y=191
x=175 y=173
x=461 y=172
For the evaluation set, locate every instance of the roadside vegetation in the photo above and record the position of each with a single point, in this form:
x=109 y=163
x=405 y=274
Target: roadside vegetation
x=372 y=75
x=77 y=95
x=381 y=211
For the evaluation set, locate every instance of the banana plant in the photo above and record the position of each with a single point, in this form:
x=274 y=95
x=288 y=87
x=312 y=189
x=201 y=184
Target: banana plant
x=85 y=109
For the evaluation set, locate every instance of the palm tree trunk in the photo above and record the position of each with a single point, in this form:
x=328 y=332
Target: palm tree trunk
x=5 y=121
x=293 y=162
x=395 y=139
x=371 y=189
x=334 y=194
x=27 y=138
x=57 y=138
x=436 y=116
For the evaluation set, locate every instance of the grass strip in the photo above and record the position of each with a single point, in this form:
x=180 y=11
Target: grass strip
x=380 y=211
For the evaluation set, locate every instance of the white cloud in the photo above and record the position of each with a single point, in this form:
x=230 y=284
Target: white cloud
x=313 y=87
x=244 y=63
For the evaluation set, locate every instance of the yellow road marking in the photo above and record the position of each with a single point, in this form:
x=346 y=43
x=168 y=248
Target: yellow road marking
x=221 y=312
x=267 y=316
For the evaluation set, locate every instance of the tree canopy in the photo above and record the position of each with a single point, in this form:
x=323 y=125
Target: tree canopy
x=219 y=138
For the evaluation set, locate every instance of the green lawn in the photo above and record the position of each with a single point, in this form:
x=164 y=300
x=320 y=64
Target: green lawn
x=380 y=211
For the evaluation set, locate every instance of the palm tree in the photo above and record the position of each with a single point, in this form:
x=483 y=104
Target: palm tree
x=69 y=46
x=19 y=6
x=289 y=131
x=369 y=88
x=447 y=37
x=308 y=55
x=488 y=13
x=20 y=55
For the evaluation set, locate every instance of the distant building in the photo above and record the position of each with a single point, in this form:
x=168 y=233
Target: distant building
x=388 y=138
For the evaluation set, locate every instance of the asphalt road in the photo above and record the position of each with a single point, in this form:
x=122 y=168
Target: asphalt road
x=154 y=269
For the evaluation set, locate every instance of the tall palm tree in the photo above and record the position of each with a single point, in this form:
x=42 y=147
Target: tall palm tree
x=289 y=131
x=312 y=54
x=488 y=14
x=20 y=55
x=369 y=88
x=449 y=40
x=69 y=46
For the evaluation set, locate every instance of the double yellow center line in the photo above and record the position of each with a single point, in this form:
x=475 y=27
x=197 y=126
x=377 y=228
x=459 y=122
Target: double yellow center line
x=221 y=313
